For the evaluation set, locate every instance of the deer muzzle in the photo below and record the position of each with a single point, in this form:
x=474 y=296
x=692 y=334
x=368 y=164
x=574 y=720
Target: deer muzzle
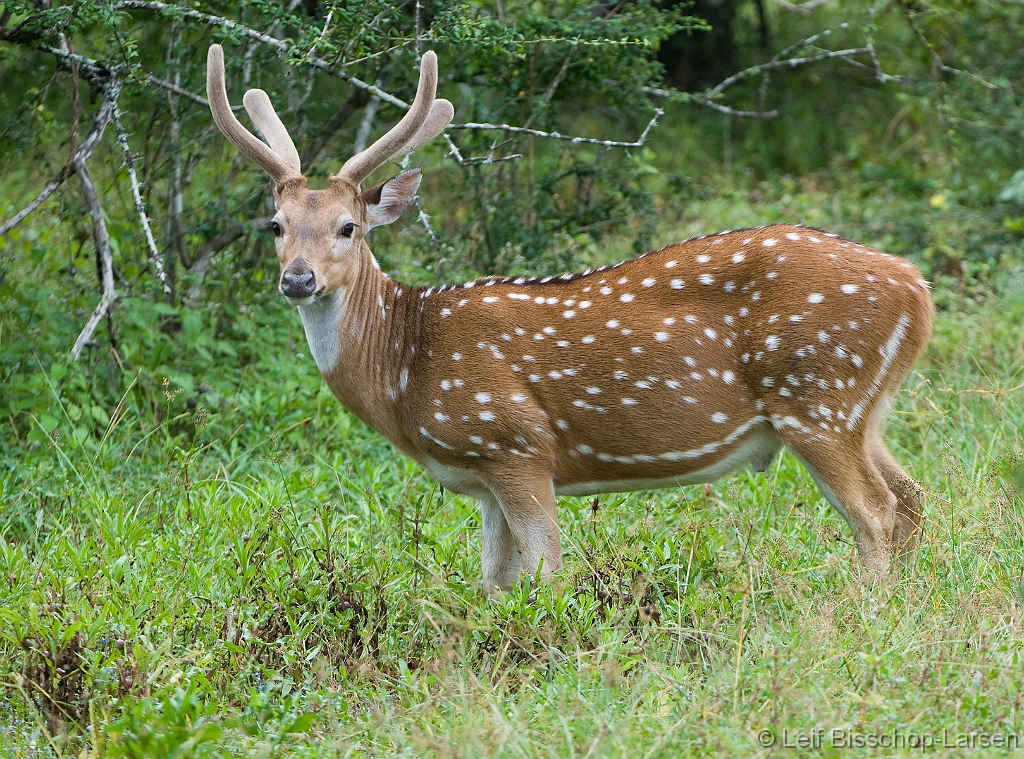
x=298 y=281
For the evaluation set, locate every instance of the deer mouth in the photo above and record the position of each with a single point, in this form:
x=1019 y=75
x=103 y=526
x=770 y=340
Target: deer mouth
x=307 y=300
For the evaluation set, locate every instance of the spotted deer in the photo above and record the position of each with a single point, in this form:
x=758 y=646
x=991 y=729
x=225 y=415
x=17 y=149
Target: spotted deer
x=673 y=368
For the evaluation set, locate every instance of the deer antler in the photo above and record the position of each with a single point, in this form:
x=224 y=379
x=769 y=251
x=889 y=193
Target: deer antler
x=280 y=160
x=422 y=122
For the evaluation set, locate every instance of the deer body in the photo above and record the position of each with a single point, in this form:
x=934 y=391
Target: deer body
x=673 y=368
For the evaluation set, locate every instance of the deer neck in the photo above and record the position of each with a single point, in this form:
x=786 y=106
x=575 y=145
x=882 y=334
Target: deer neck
x=359 y=336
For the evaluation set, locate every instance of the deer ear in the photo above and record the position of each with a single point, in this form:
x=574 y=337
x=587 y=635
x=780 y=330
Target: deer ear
x=386 y=202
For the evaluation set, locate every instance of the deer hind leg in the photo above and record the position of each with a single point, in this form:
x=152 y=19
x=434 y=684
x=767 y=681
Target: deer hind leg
x=502 y=563
x=909 y=507
x=850 y=480
x=527 y=504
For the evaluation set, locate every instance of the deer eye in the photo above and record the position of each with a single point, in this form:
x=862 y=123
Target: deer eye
x=347 y=229
x=275 y=228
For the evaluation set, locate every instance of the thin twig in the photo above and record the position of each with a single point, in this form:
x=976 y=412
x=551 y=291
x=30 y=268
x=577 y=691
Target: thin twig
x=733 y=112
x=101 y=238
x=557 y=136
x=178 y=90
x=140 y=207
x=788 y=62
x=323 y=32
x=453 y=151
x=490 y=159
x=869 y=44
x=425 y=221
x=419 y=27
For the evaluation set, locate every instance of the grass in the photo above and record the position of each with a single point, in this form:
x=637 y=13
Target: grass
x=251 y=571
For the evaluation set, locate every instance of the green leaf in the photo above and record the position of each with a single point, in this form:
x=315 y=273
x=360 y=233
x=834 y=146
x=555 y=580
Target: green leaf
x=301 y=724
x=100 y=415
x=192 y=323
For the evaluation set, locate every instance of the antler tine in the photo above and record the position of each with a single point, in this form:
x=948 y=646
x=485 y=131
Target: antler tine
x=216 y=91
x=261 y=111
x=441 y=114
x=359 y=166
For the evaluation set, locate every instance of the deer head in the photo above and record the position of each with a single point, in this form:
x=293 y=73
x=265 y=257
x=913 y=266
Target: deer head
x=320 y=234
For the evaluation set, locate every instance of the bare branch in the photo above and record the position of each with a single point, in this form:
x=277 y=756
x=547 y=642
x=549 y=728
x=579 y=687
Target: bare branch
x=869 y=44
x=662 y=93
x=95 y=71
x=89 y=144
x=177 y=90
x=733 y=112
x=778 y=64
x=453 y=150
x=557 y=136
x=102 y=241
x=425 y=221
x=140 y=207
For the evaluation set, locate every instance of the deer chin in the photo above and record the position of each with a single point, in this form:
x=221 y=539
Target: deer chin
x=309 y=300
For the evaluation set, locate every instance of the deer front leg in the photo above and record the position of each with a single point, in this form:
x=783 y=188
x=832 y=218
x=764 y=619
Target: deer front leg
x=528 y=506
x=501 y=560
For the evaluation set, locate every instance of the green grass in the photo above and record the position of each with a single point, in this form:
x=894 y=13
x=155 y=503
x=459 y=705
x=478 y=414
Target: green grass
x=265 y=576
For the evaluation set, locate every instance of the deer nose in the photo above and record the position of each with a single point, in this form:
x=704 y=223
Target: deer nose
x=298 y=280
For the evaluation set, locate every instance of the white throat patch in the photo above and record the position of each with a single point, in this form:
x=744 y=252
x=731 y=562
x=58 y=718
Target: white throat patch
x=320 y=319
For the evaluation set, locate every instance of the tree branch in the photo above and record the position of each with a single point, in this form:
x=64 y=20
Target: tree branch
x=177 y=90
x=102 y=241
x=557 y=136
x=140 y=207
x=89 y=144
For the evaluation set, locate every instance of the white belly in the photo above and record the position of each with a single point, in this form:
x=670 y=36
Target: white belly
x=761 y=442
